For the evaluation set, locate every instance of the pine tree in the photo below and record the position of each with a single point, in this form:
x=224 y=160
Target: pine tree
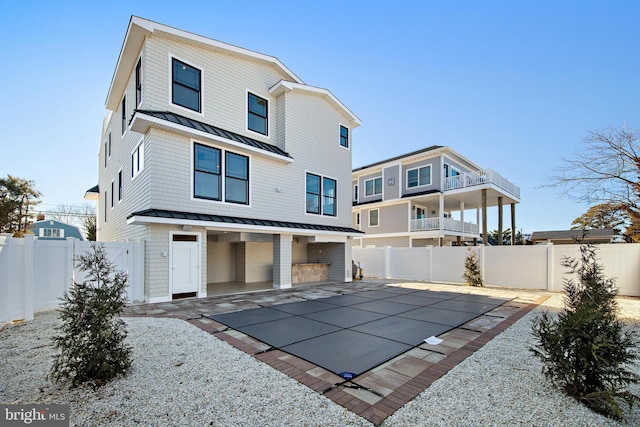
x=91 y=337
x=586 y=351
x=472 y=274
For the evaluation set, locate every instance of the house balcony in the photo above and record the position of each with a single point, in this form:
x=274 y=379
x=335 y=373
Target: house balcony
x=481 y=177
x=445 y=224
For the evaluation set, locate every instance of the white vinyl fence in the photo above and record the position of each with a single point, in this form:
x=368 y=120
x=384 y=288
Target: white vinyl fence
x=35 y=273
x=527 y=267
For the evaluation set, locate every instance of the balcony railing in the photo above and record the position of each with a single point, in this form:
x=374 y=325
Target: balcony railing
x=448 y=224
x=487 y=176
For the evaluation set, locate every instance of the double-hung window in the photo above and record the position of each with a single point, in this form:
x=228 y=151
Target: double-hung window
x=210 y=164
x=138 y=82
x=321 y=195
x=52 y=232
x=236 y=178
x=207 y=170
x=419 y=176
x=112 y=194
x=137 y=160
x=258 y=118
x=344 y=136
x=373 y=187
x=186 y=82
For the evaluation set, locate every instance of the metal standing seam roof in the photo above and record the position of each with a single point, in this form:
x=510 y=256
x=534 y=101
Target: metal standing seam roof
x=160 y=213
x=214 y=130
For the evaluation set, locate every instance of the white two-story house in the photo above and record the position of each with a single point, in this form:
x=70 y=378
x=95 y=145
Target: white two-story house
x=430 y=197
x=227 y=165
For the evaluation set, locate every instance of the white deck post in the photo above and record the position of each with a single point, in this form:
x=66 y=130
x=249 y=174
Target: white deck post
x=282 y=261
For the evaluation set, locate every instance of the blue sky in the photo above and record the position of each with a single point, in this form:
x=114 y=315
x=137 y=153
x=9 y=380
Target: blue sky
x=511 y=85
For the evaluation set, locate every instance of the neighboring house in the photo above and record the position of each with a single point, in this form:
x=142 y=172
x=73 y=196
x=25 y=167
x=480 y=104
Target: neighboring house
x=564 y=237
x=55 y=230
x=432 y=196
x=224 y=162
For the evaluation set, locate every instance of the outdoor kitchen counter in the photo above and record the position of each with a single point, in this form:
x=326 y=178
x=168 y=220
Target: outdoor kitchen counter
x=309 y=272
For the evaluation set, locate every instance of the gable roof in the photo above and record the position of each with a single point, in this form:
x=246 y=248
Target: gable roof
x=413 y=153
x=214 y=131
x=285 y=86
x=140 y=28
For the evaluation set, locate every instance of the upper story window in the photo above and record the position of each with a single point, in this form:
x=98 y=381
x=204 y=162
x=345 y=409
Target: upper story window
x=208 y=170
x=139 y=82
x=120 y=185
x=258 y=120
x=355 y=193
x=373 y=187
x=236 y=179
x=344 y=136
x=186 y=82
x=124 y=114
x=321 y=195
x=419 y=176
x=51 y=232
x=107 y=149
x=112 y=194
x=137 y=160
x=105 y=205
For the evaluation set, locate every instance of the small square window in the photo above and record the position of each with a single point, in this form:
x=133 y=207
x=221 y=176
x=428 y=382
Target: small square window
x=186 y=82
x=344 y=136
x=257 y=119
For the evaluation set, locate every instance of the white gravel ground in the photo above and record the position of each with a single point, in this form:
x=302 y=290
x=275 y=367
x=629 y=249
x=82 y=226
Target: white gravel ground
x=182 y=376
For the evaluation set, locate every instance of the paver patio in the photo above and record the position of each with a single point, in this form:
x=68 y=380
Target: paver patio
x=377 y=392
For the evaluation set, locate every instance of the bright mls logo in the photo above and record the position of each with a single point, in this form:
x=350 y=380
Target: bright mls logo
x=53 y=415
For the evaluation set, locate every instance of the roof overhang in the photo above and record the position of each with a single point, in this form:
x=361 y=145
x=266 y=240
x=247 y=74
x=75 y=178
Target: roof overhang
x=284 y=86
x=92 y=194
x=140 y=28
x=142 y=122
x=225 y=226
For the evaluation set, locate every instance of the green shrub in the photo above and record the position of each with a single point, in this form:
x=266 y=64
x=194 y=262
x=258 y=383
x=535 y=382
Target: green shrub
x=586 y=351
x=472 y=274
x=91 y=337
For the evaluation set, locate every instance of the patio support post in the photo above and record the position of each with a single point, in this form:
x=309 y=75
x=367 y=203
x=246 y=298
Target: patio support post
x=282 y=261
x=484 y=217
x=513 y=224
x=499 y=220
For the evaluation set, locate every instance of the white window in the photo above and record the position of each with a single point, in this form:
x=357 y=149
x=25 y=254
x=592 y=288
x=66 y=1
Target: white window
x=419 y=176
x=355 y=193
x=137 y=160
x=373 y=187
x=374 y=217
x=357 y=218
x=52 y=232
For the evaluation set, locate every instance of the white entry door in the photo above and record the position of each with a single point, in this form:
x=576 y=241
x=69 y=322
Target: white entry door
x=185 y=277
